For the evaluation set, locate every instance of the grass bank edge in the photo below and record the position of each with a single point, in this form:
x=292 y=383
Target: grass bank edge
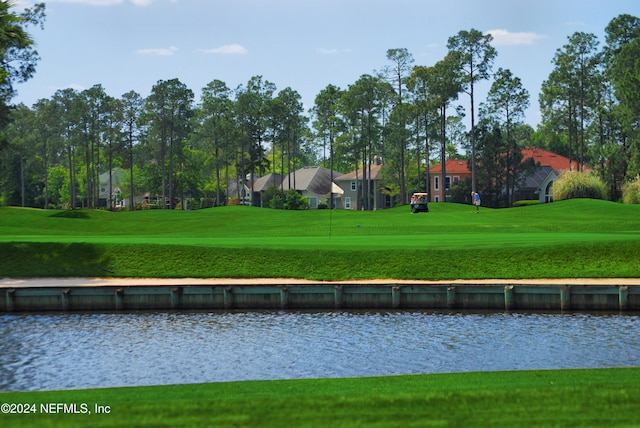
x=576 y=397
x=597 y=259
x=577 y=238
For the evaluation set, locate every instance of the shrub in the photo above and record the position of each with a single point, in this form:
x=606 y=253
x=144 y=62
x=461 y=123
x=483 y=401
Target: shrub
x=525 y=203
x=575 y=184
x=273 y=198
x=295 y=201
x=631 y=191
x=459 y=192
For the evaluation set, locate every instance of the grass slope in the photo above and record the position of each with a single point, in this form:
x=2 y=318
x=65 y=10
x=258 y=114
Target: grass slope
x=567 y=398
x=565 y=239
x=577 y=238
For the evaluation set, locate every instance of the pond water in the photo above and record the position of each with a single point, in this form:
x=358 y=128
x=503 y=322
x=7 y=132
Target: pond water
x=88 y=350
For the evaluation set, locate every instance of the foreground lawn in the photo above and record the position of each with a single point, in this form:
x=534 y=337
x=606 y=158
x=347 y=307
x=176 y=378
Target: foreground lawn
x=577 y=238
x=560 y=398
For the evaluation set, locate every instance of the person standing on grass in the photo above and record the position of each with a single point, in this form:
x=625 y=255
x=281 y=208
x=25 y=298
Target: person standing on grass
x=475 y=196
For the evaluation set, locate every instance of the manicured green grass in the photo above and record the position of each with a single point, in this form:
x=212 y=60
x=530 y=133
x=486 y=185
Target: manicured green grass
x=576 y=238
x=553 y=398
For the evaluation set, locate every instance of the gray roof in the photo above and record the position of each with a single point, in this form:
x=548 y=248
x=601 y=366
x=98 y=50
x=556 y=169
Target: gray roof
x=233 y=185
x=117 y=177
x=314 y=179
x=375 y=173
x=263 y=183
x=533 y=181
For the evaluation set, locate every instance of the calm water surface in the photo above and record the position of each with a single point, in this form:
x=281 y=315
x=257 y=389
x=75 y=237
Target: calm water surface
x=87 y=350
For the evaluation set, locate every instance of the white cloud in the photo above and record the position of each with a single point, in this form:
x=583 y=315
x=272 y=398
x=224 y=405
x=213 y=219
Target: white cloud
x=171 y=50
x=90 y=2
x=333 y=51
x=21 y=4
x=507 y=38
x=75 y=86
x=232 y=49
x=103 y=2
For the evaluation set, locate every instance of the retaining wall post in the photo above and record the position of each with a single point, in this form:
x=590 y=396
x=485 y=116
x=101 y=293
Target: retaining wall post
x=284 y=297
x=64 y=299
x=119 y=299
x=337 y=295
x=176 y=294
x=508 y=297
x=11 y=299
x=565 y=297
x=227 y=296
x=623 y=297
x=396 y=293
x=451 y=297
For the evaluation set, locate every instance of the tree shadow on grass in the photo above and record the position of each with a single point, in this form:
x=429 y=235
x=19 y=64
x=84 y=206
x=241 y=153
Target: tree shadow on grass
x=24 y=259
x=72 y=214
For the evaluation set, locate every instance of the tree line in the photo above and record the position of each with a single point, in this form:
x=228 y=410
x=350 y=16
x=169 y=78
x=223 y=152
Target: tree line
x=407 y=115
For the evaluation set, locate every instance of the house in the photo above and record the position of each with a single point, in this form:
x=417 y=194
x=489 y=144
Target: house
x=119 y=187
x=239 y=191
x=456 y=170
x=353 y=184
x=261 y=185
x=111 y=184
x=314 y=182
x=536 y=185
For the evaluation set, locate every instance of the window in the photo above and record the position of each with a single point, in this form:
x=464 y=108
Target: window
x=447 y=183
x=456 y=179
x=347 y=202
x=436 y=198
x=353 y=186
x=547 y=193
x=313 y=202
x=436 y=183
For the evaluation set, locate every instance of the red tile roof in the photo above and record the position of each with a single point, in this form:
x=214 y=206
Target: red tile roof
x=544 y=157
x=453 y=166
x=547 y=158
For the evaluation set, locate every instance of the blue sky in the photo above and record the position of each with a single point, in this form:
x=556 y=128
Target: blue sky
x=303 y=44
